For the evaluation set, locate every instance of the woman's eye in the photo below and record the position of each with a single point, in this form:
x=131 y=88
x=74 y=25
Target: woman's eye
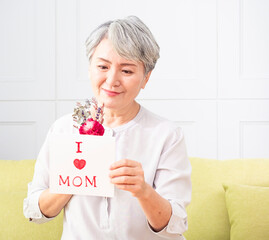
x=102 y=67
x=127 y=71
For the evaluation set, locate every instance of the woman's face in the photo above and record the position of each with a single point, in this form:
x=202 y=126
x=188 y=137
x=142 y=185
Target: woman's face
x=115 y=80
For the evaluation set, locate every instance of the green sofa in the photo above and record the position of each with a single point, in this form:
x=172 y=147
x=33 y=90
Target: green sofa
x=208 y=214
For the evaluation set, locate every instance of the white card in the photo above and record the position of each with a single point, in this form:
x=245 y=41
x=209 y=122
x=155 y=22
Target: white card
x=79 y=164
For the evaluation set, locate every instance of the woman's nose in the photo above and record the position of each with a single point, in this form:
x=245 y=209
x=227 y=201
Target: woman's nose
x=113 y=78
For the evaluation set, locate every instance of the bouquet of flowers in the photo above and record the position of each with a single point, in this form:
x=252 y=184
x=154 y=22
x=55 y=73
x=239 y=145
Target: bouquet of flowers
x=88 y=118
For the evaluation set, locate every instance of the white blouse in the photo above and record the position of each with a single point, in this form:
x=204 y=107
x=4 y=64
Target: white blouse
x=149 y=139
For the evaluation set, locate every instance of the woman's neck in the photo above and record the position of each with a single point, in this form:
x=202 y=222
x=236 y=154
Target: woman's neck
x=114 y=118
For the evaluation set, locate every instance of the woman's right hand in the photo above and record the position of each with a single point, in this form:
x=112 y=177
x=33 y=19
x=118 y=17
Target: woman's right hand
x=51 y=204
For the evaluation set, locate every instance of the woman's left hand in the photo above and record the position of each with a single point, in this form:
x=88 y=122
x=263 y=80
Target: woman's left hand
x=128 y=175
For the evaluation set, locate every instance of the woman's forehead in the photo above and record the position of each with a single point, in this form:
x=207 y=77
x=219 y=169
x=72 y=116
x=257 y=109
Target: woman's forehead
x=106 y=52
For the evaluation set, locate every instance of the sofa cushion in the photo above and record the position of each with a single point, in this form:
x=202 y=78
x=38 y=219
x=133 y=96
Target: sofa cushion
x=207 y=214
x=14 y=177
x=14 y=225
x=248 y=210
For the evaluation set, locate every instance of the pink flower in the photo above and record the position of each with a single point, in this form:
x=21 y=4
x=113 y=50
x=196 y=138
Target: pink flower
x=92 y=127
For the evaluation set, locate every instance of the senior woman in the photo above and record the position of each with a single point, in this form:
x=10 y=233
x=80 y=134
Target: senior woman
x=151 y=172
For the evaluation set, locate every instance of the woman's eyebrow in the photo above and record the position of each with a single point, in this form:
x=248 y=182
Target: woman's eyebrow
x=128 y=64
x=103 y=59
x=122 y=64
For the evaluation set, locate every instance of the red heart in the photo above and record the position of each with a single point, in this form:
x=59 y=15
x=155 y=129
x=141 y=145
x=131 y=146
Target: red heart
x=79 y=164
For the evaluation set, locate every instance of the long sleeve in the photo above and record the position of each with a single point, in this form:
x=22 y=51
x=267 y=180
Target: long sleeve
x=39 y=183
x=40 y=180
x=173 y=182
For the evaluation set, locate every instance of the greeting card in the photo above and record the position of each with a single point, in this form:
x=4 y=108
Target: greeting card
x=79 y=164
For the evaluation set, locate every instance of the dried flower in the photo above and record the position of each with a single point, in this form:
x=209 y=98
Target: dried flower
x=89 y=118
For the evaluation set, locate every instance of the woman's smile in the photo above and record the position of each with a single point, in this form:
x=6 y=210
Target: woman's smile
x=110 y=93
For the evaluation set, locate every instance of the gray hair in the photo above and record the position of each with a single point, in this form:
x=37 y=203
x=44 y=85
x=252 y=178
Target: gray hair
x=131 y=39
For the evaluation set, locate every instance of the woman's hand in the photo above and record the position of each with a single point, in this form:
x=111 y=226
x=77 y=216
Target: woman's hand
x=128 y=175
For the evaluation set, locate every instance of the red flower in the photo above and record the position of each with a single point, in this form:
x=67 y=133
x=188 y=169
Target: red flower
x=92 y=127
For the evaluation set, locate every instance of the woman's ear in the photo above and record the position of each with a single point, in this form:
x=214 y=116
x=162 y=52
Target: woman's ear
x=146 y=79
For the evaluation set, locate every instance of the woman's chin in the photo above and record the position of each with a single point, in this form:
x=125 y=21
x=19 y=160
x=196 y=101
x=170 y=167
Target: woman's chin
x=112 y=103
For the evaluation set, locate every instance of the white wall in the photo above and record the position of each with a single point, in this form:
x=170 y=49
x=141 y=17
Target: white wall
x=212 y=78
